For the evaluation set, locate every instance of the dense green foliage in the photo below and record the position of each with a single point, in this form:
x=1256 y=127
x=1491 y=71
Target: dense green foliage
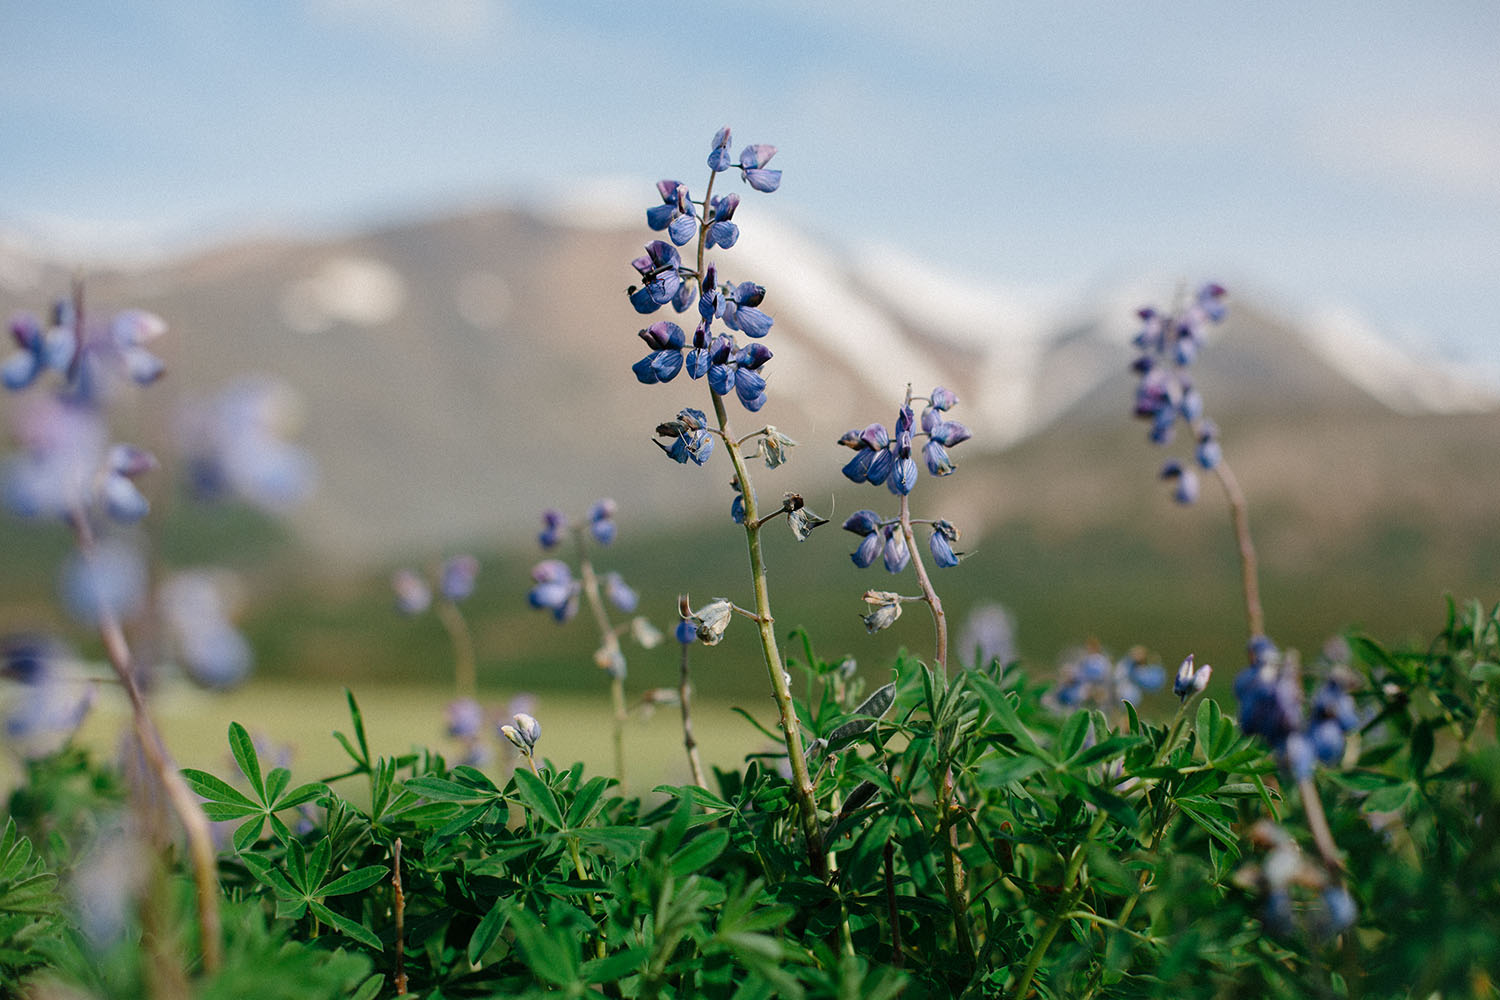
x=983 y=843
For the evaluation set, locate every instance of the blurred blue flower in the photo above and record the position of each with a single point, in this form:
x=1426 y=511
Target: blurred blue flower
x=457 y=577
x=413 y=595
x=602 y=521
x=555 y=589
x=619 y=594
x=554 y=523
x=236 y=446
x=197 y=610
x=108 y=581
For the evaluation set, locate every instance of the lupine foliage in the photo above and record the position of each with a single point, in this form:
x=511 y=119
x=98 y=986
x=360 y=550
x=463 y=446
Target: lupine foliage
x=1111 y=859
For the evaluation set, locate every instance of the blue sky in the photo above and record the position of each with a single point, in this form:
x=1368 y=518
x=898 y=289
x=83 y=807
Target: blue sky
x=1322 y=154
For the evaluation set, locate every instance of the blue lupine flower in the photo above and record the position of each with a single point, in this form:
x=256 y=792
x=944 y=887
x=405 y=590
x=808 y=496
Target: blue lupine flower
x=942 y=399
x=752 y=168
x=676 y=214
x=1209 y=453
x=895 y=553
x=721 y=231
x=122 y=500
x=869 y=547
x=944 y=535
x=554 y=523
x=667 y=342
x=740 y=309
x=903 y=476
x=1186 y=491
x=1094 y=668
x=556 y=590
x=867 y=524
x=737 y=505
x=863 y=522
x=718 y=157
x=749 y=383
x=659 y=270
x=457 y=576
x=685 y=632
x=602 y=521
x=698 y=356
x=711 y=300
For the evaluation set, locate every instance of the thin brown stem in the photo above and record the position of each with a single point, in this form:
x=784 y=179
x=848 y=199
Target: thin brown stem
x=400 y=907
x=684 y=701
x=609 y=655
x=203 y=858
x=1249 y=576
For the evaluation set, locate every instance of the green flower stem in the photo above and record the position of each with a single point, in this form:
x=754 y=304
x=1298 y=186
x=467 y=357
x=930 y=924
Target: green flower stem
x=791 y=730
x=610 y=647
x=600 y=948
x=1075 y=893
x=465 y=673
x=929 y=594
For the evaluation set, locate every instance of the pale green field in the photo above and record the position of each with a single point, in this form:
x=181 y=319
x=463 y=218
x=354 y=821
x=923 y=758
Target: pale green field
x=302 y=718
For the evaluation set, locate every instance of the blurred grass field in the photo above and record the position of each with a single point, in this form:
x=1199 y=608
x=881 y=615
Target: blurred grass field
x=301 y=718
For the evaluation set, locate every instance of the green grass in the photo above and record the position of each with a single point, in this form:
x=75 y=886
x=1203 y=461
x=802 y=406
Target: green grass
x=302 y=716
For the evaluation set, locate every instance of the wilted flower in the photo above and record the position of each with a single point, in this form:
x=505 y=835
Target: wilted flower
x=774 y=446
x=885 y=609
x=712 y=619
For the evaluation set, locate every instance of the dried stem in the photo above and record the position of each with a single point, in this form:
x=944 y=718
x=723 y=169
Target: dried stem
x=610 y=648
x=400 y=906
x=1249 y=577
x=203 y=858
x=684 y=700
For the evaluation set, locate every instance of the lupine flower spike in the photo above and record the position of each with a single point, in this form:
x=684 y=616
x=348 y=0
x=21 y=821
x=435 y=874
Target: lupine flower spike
x=884 y=457
x=713 y=353
x=557 y=590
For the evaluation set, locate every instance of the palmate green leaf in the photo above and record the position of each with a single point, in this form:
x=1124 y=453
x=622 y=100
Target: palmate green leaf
x=551 y=955
x=34 y=894
x=360 y=878
x=998 y=702
x=1075 y=733
x=443 y=790
x=698 y=852
x=350 y=928
x=698 y=796
x=301 y=795
x=488 y=932
x=539 y=798
x=616 y=966
x=267 y=873
x=276 y=782
x=1211 y=817
x=621 y=839
x=370 y=988
x=587 y=802
x=216 y=789
x=1107 y=750
x=243 y=748
x=248 y=833
x=219 y=812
